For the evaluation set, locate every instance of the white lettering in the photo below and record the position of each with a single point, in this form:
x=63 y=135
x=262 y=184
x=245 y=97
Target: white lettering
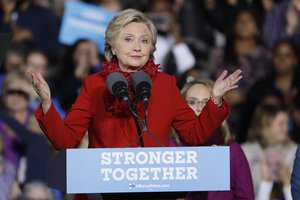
x=180 y=173
x=168 y=173
x=168 y=157
x=131 y=174
x=179 y=157
x=117 y=156
x=105 y=171
x=121 y=175
x=141 y=158
x=105 y=158
x=155 y=171
x=143 y=174
x=191 y=173
x=129 y=158
x=154 y=157
x=191 y=157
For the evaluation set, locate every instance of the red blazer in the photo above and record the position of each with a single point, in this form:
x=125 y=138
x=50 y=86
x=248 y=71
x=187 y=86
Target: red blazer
x=167 y=109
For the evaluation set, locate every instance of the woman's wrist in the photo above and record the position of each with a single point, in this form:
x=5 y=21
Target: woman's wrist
x=46 y=106
x=216 y=100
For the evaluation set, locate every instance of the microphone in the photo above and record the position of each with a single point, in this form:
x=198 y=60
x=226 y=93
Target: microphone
x=142 y=83
x=117 y=85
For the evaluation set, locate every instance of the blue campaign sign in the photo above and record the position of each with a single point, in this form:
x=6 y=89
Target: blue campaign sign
x=84 y=21
x=118 y=170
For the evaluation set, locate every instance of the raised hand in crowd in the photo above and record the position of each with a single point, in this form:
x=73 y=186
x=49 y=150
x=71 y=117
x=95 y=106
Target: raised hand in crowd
x=292 y=17
x=8 y=7
x=86 y=57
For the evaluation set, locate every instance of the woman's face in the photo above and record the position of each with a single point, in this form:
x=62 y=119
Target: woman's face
x=279 y=127
x=197 y=97
x=82 y=51
x=13 y=62
x=284 y=59
x=133 y=46
x=15 y=98
x=38 y=62
x=245 y=26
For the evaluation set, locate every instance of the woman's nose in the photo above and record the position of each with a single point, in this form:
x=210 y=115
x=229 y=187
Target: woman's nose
x=199 y=107
x=136 y=46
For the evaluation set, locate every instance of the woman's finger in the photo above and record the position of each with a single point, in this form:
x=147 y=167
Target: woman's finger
x=236 y=80
x=222 y=76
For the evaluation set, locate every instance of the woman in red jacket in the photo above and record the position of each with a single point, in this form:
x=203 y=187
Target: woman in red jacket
x=129 y=47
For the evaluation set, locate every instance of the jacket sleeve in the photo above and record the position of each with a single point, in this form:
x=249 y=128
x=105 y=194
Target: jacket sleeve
x=295 y=183
x=192 y=129
x=241 y=181
x=69 y=132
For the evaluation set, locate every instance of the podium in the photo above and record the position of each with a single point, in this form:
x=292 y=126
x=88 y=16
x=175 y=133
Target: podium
x=170 y=171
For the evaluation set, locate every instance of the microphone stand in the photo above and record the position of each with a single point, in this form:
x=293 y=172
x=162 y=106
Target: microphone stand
x=136 y=121
x=144 y=126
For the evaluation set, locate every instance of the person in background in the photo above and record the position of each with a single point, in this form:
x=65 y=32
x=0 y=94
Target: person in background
x=173 y=53
x=270 y=153
x=25 y=145
x=12 y=61
x=113 y=5
x=282 y=22
x=37 y=190
x=31 y=24
x=14 y=58
x=283 y=79
x=196 y=94
x=284 y=75
x=129 y=47
x=243 y=50
x=295 y=182
x=296 y=114
x=80 y=60
x=8 y=186
x=39 y=60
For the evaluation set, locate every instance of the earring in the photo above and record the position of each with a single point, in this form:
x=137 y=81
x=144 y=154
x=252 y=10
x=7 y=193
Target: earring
x=114 y=53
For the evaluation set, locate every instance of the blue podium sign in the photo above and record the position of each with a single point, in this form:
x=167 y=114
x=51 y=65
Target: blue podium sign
x=84 y=21
x=126 y=170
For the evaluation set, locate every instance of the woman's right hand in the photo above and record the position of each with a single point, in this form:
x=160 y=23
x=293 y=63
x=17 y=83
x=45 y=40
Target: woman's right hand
x=41 y=88
x=264 y=169
x=284 y=173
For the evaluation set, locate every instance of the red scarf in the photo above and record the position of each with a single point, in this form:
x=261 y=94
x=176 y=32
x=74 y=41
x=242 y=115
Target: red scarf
x=112 y=103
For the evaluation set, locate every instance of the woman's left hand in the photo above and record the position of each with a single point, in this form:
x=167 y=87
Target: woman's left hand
x=284 y=173
x=225 y=84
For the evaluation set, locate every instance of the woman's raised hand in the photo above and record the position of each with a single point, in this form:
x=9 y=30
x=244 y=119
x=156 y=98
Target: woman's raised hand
x=224 y=84
x=41 y=88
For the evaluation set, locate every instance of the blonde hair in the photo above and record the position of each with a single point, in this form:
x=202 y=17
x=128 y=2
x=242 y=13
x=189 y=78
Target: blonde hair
x=260 y=127
x=118 y=22
x=12 y=76
x=208 y=83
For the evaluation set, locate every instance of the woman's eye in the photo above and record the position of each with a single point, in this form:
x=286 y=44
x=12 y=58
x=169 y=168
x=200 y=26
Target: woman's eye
x=191 y=102
x=145 y=41
x=128 y=39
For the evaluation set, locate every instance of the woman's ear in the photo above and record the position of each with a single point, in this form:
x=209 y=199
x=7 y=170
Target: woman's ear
x=113 y=51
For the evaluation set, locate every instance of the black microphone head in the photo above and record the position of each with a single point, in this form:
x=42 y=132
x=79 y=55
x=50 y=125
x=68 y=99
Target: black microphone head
x=114 y=81
x=142 y=83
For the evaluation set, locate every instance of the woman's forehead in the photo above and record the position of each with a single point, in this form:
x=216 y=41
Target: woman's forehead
x=136 y=28
x=198 y=91
x=18 y=83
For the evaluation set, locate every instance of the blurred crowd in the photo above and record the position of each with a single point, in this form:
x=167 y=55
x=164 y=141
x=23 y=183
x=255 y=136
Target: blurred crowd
x=196 y=41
